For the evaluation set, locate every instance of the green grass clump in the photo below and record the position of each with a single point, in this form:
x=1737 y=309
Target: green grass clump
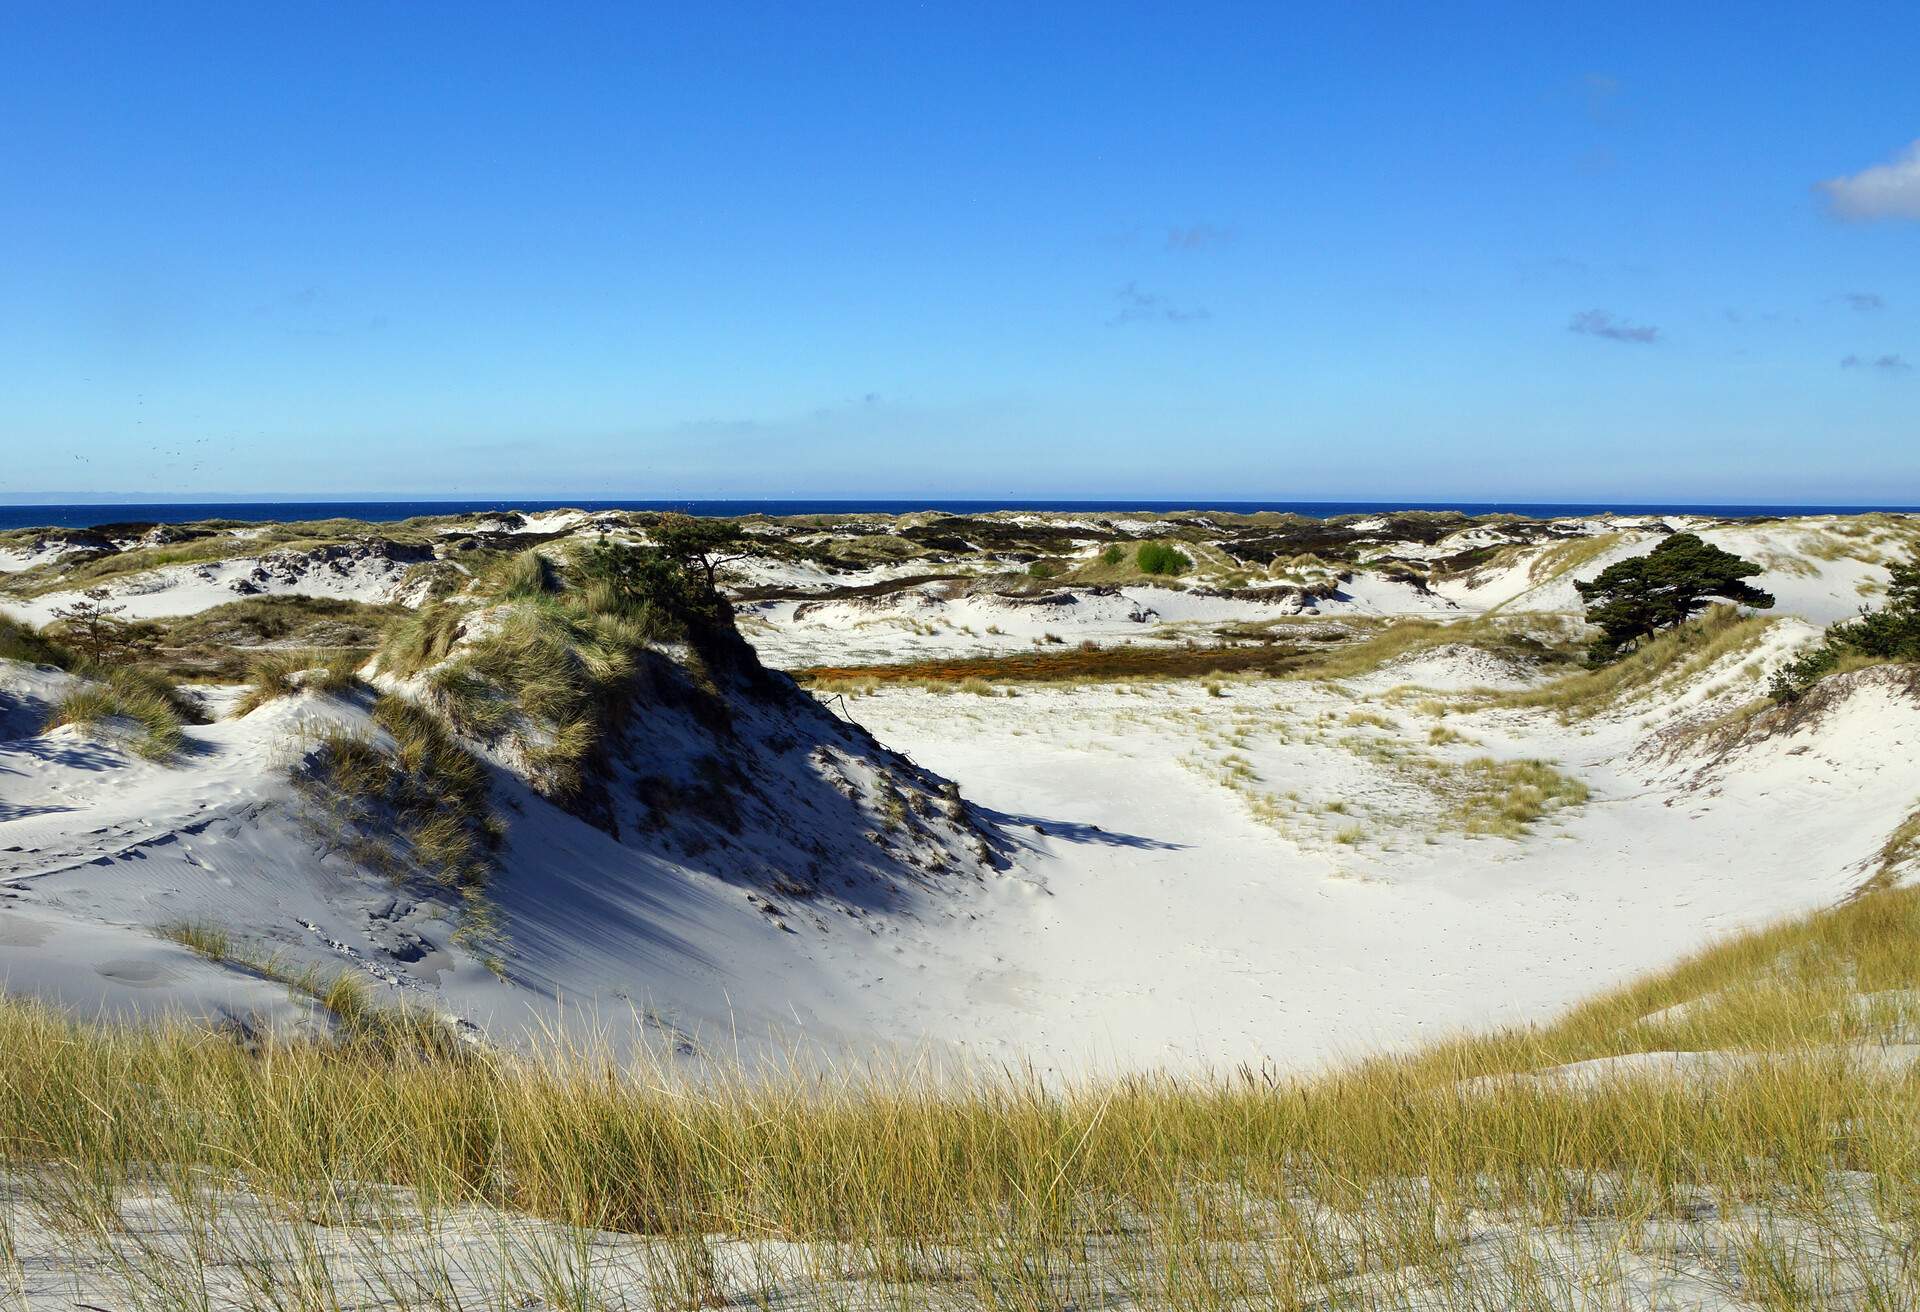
x=553 y=652
x=429 y=792
x=1159 y=558
x=23 y=642
x=203 y=937
x=129 y=695
x=528 y=574
x=422 y=638
x=551 y=676
x=284 y=673
x=222 y=643
x=1563 y=558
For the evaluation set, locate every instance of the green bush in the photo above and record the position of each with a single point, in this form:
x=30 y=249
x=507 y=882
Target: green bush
x=1891 y=633
x=1159 y=558
x=1113 y=555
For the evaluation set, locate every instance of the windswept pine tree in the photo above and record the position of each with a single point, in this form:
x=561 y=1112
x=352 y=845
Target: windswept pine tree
x=1634 y=599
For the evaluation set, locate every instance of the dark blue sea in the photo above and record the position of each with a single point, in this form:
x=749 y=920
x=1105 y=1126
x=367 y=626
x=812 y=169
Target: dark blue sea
x=87 y=516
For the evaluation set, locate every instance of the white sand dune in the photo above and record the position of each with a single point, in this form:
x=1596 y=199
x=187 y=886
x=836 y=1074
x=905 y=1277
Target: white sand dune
x=1168 y=877
x=1148 y=915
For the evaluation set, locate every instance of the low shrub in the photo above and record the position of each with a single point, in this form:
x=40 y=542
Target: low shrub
x=1875 y=637
x=1159 y=558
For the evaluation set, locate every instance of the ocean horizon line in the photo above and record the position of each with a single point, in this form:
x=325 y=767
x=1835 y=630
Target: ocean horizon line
x=83 y=514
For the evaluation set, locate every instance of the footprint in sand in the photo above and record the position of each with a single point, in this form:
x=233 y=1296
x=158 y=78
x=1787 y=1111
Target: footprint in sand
x=135 y=974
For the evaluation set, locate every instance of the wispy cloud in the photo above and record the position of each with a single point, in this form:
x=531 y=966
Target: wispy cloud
x=1886 y=364
x=1885 y=191
x=1138 y=306
x=1601 y=323
x=1199 y=237
x=1865 y=302
x=1600 y=89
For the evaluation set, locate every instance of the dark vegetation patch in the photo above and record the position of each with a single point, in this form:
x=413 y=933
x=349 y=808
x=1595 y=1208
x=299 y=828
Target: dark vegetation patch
x=999 y=536
x=1632 y=600
x=1104 y=663
x=223 y=643
x=883 y=588
x=1338 y=539
x=1888 y=635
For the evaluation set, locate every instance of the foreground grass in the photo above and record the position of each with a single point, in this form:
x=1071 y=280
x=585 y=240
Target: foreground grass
x=146 y=707
x=1371 y=1187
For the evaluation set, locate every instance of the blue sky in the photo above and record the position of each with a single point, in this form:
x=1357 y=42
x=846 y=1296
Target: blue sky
x=1495 y=251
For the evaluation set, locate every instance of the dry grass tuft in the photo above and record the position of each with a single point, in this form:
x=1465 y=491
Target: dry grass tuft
x=283 y=674
x=149 y=709
x=1674 y=658
x=1505 y=798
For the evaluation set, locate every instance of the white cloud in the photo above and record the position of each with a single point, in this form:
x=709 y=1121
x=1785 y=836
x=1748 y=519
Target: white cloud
x=1885 y=191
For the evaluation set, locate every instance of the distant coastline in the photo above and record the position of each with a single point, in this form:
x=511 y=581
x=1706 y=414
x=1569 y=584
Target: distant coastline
x=76 y=515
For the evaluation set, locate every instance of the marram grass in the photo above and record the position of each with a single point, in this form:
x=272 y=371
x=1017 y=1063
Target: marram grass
x=1241 y=1189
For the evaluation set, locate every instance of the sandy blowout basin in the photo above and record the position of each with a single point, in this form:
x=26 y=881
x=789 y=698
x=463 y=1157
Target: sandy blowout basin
x=1178 y=929
x=1277 y=875
x=1188 y=881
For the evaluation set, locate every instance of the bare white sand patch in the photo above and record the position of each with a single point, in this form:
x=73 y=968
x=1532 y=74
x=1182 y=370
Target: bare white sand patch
x=348 y=573
x=1198 y=916
x=366 y=1246
x=1453 y=667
